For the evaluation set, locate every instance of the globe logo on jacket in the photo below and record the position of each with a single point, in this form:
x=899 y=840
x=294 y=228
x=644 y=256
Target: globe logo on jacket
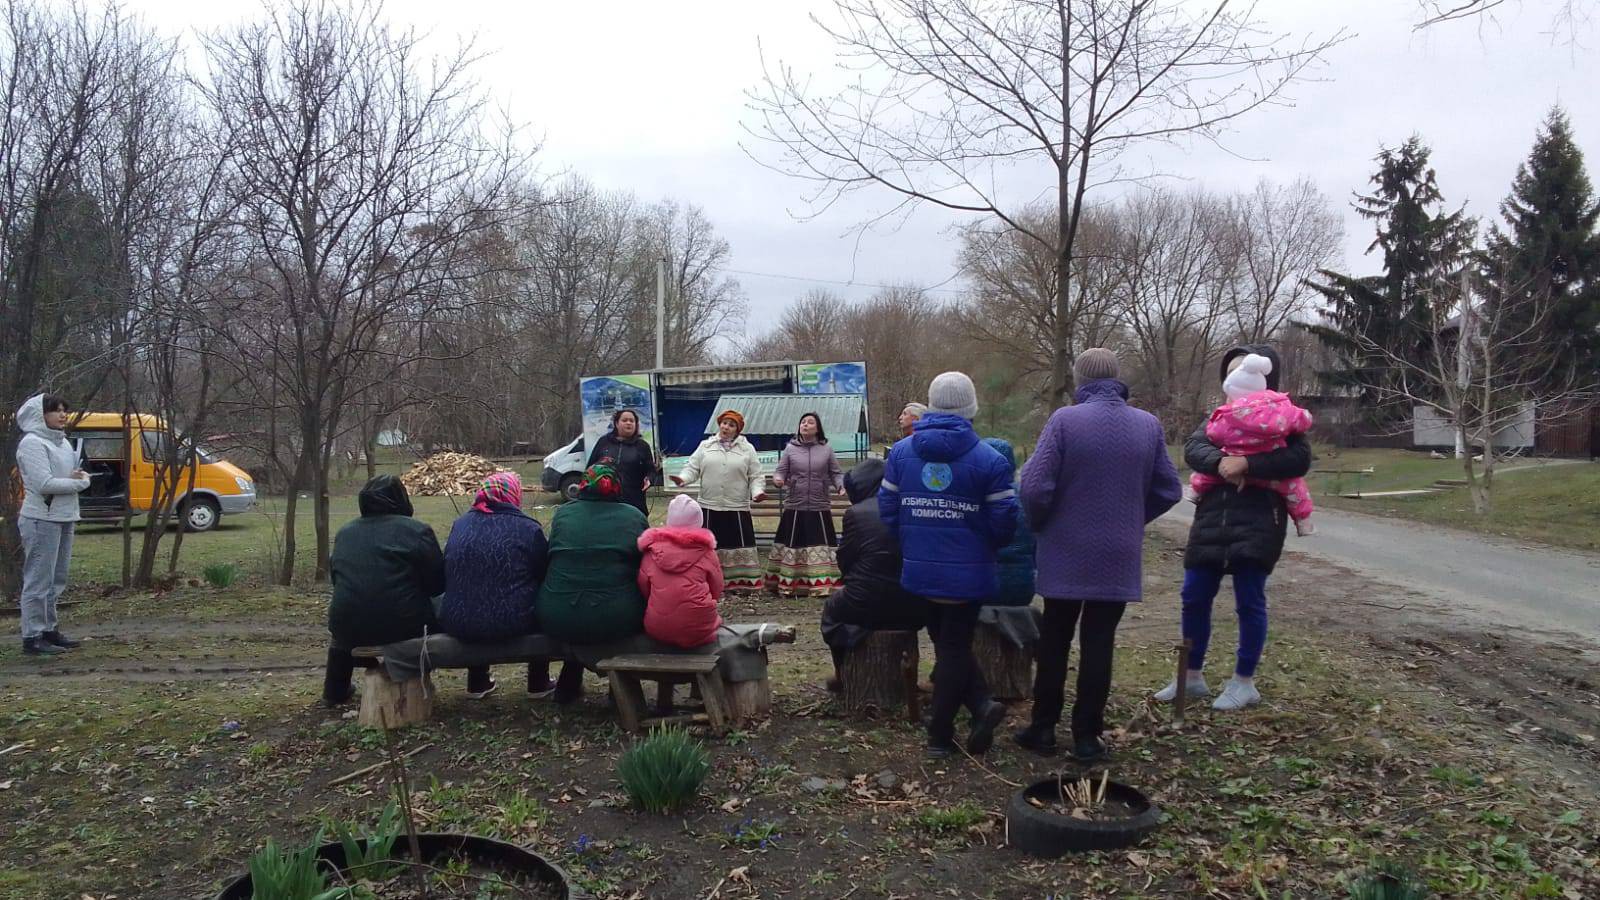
x=936 y=476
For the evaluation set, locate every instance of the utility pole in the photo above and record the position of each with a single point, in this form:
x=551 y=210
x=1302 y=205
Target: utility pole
x=661 y=313
x=1464 y=336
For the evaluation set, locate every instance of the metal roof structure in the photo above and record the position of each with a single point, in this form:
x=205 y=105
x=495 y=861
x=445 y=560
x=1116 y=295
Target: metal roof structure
x=841 y=414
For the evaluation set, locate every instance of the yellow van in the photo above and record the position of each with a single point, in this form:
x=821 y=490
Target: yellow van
x=220 y=487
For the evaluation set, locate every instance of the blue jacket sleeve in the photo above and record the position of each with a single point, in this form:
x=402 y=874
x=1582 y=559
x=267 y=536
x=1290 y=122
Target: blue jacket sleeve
x=1165 y=488
x=1000 y=504
x=889 y=495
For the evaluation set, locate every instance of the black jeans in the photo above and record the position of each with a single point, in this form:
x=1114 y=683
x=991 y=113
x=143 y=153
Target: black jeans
x=956 y=679
x=1097 y=639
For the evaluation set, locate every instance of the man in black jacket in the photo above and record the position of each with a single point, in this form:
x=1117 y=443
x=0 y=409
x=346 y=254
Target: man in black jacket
x=1238 y=530
x=869 y=559
x=386 y=568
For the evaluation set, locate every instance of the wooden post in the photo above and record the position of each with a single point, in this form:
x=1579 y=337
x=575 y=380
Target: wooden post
x=880 y=674
x=1007 y=668
x=749 y=700
x=1182 y=699
x=386 y=703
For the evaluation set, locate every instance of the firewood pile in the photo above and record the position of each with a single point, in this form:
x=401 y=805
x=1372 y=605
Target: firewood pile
x=448 y=474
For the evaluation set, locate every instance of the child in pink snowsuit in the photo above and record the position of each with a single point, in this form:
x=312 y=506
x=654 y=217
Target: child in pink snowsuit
x=1256 y=420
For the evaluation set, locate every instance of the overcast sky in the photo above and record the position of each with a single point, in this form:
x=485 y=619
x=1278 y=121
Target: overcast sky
x=650 y=97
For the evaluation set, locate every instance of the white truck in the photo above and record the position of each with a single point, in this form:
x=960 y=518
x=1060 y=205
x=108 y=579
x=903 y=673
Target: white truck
x=677 y=407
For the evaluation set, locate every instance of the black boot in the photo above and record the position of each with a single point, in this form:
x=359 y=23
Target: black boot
x=569 y=684
x=60 y=640
x=38 y=646
x=336 y=687
x=1038 y=740
x=983 y=726
x=480 y=683
x=1089 y=749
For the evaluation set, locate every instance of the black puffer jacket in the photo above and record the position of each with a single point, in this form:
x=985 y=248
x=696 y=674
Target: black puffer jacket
x=1235 y=527
x=869 y=556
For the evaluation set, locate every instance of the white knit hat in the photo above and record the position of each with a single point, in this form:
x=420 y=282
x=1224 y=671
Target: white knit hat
x=954 y=394
x=1250 y=377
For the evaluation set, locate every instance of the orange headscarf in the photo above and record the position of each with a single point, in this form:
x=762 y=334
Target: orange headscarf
x=737 y=419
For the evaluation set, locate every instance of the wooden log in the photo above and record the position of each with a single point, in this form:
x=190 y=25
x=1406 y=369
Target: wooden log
x=749 y=700
x=629 y=697
x=879 y=675
x=1007 y=668
x=715 y=699
x=394 y=704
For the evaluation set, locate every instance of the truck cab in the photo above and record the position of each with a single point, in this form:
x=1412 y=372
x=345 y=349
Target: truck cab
x=563 y=468
x=121 y=454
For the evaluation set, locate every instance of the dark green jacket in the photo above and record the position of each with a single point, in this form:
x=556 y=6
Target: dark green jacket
x=387 y=568
x=591 y=591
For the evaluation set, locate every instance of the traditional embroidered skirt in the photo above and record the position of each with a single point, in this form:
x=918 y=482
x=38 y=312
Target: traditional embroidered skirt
x=736 y=548
x=804 y=557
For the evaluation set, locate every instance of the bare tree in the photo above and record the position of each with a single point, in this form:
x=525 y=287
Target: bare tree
x=65 y=239
x=1171 y=294
x=1488 y=369
x=1274 y=239
x=1567 y=17
x=1012 y=307
x=949 y=93
x=363 y=171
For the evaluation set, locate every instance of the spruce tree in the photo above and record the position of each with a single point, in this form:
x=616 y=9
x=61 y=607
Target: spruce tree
x=1546 y=261
x=1372 y=321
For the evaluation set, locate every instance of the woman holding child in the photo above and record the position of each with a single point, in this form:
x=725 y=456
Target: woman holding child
x=1240 y=521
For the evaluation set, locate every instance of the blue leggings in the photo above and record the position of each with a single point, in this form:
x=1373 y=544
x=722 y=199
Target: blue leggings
x=1200 y=587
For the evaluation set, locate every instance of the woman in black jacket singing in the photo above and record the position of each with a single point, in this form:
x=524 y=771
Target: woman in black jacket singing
x=631 y=455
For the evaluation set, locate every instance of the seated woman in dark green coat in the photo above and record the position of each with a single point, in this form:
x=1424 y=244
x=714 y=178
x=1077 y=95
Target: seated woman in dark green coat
x=591 y=593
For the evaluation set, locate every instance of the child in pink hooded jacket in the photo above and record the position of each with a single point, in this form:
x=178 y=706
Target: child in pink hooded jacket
x=1256 y=420
x=681 y=578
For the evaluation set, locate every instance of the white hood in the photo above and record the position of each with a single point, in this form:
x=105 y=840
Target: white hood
x=30 y=420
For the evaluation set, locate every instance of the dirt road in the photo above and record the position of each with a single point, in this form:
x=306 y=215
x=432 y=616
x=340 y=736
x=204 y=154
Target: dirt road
x=1496 y=582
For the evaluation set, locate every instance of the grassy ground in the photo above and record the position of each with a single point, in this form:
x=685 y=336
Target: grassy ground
x=1557 y=504
x=1553 y=504
x=159 y=778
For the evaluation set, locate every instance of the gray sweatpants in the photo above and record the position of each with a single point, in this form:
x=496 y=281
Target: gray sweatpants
x=46 y=556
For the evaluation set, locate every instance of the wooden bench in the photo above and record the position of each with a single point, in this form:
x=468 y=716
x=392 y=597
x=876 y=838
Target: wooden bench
x=627 y=672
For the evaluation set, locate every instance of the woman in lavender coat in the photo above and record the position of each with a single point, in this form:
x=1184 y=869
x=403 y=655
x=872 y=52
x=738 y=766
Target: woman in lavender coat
x=1100 y=473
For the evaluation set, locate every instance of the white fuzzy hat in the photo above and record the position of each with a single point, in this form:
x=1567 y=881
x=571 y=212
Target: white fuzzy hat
x=1250 y=377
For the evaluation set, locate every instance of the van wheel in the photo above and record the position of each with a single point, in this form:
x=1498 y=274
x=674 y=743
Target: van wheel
x=569 y=485
x=200 y=514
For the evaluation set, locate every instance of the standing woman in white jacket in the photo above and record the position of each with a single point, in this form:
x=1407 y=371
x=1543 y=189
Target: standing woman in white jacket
x=51 y=481
x=730 y=478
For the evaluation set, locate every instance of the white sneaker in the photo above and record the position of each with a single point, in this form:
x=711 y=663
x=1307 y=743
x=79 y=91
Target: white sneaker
x=1197 y=689
x=1236 y=695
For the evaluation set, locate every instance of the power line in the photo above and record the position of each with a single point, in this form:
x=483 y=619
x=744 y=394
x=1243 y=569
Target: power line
x=936 y=289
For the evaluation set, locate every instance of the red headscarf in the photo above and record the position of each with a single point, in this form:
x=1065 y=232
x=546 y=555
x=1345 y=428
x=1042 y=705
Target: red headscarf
x=501 y=487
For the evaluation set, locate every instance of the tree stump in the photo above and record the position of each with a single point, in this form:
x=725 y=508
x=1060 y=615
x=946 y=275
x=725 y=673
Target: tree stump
x=1007 y=669
x=386 y=703
x=879 y=675
x=749 y=700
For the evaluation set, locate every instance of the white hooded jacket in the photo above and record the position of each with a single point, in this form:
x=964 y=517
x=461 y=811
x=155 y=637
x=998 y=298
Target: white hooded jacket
x=46 y=461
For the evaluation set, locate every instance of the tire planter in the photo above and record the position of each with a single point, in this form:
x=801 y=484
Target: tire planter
x=1049 y=833
x=510 y=858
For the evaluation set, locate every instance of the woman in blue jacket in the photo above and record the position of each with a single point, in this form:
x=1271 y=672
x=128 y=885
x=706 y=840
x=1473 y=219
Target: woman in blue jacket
x=949 y=500
x=494 y=564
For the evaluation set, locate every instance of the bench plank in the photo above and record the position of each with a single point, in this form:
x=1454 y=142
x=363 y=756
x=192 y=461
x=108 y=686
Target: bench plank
x=665 y=663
